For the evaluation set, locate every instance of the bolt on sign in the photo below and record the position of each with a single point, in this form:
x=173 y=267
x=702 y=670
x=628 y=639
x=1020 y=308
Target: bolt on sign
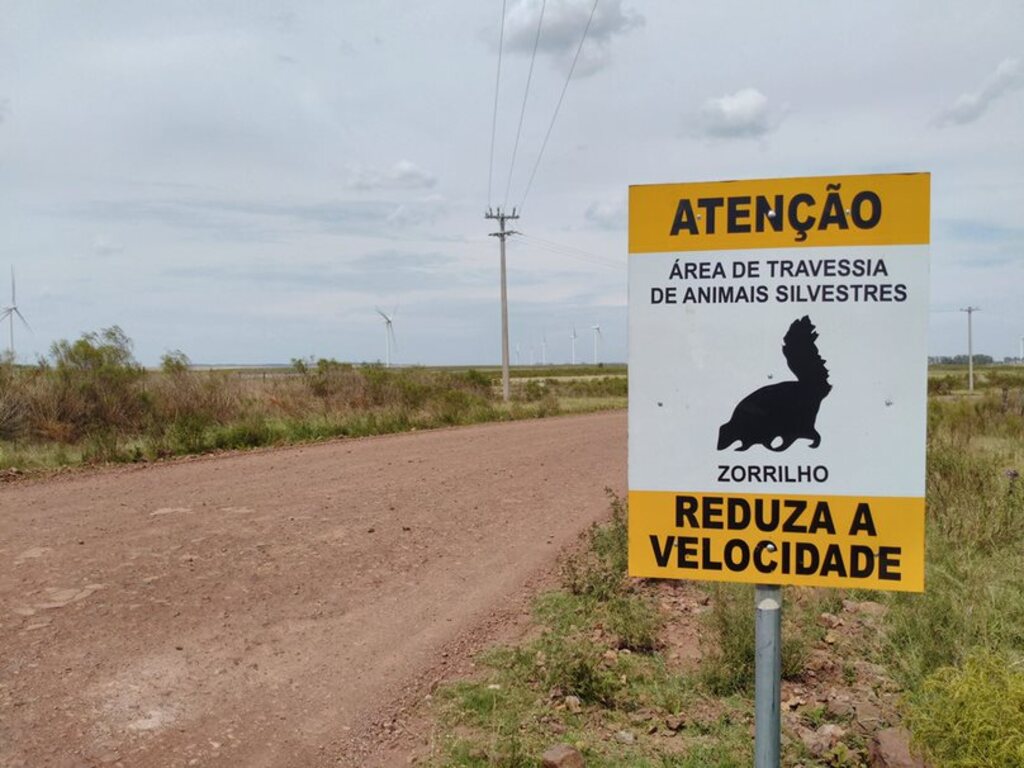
x=778 y=380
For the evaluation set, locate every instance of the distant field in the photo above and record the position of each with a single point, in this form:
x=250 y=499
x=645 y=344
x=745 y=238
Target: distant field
x=91 y=402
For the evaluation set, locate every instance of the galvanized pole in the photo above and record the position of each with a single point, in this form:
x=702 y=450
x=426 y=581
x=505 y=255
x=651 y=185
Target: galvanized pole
x=767 y=676
x=502 y=234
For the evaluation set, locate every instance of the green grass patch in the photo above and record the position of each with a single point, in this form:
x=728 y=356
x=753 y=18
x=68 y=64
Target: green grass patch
x=972 y=715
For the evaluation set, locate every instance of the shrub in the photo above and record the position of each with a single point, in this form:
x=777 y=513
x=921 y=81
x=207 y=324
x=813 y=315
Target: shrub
x=972 y=716
x=636 y=622
x=92 y=387
x=575 y=665
x=729 y=637
x=600 y=569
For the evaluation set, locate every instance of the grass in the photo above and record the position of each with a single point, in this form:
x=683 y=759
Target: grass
x=598 y=661
x=592 y=676
x=958 y=648
x=90 y=402
x=595 y=674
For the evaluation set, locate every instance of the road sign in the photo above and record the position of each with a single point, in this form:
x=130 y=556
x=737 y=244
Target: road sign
x=777 y=380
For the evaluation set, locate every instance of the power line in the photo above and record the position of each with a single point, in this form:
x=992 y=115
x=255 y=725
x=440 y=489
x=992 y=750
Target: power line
x=526 y=93
x=569 y=252
x=558 y=106
x=494 y=119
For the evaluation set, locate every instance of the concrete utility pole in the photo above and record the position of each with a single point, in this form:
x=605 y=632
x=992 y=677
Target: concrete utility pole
x=501 y=217
x=970 y=347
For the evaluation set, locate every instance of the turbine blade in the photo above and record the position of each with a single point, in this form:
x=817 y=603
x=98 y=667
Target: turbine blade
x=13 y=302
x=22 y=318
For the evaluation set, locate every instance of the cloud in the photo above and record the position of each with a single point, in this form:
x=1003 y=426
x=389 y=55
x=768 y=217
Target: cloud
x=741 y=115
x=402 y=175
x=104 y=246
x=1007 y=77
x=262 y=221
x=563 y=25
x=606 y=215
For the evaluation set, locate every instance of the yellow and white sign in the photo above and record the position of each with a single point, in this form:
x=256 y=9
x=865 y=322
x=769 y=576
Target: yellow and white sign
x=778 y=380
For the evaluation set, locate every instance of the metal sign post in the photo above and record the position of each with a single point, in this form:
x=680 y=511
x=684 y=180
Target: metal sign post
x=767 y=675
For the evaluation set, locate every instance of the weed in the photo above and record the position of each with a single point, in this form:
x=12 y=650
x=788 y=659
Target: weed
x=973 y=715
x=600 y=569
x=635 y=621
x=729 y=637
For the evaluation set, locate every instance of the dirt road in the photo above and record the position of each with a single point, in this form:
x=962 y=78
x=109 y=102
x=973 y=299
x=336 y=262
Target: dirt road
x=275 y=608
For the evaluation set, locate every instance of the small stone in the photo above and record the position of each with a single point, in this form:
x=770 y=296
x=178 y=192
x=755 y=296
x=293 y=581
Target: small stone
x=829 y=620
x=871 y=608
x=839 y=706
x=868 y=716
x=794 y=701
x=891 y=749
x=625 y=737
x=831 y=637
x=573 y=704
x=675 y=722
x=562 y=756
x=821 y=741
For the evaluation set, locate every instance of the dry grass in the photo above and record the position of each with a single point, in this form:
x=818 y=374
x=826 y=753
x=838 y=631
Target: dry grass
x=91 y=402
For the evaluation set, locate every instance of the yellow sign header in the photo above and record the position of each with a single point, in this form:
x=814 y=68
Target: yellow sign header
x=885 y=209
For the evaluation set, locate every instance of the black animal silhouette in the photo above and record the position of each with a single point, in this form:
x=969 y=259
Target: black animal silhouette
x=786 y=411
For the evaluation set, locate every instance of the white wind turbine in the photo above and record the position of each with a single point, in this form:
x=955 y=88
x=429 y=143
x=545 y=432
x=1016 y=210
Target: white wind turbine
x=596 y=328
x=517 y=353
x=389 y=333
x=574 y=337
x=544 y=349
x=9 y=312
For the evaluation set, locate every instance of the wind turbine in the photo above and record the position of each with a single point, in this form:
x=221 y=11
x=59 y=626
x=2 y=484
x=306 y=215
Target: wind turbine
x=389 y=333
x=8 y=313
x=596 y=328
x=544 y=349
x=517 y=353
x=574 y=337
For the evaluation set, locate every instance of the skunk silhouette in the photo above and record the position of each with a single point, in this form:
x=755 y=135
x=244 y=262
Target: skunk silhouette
x=777 y=415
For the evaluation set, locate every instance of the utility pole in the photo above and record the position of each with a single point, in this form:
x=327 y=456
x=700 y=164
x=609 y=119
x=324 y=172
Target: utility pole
x=970 y=347
x=501 y=217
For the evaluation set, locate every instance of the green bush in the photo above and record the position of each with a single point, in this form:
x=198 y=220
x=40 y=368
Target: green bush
x=574 y=665
x=728 y=665
x=636 y=622
x=972 y=716
x=599 y=570
x=92 y=389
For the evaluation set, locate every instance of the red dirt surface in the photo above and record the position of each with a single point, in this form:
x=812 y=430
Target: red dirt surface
x=277 y=608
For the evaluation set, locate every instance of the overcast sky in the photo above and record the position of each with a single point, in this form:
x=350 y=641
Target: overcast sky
x=246 y=181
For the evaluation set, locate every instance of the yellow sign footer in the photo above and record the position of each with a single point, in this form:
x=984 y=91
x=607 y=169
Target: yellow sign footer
x=809 y=540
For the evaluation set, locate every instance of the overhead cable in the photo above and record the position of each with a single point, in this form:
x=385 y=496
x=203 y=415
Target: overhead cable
x=494 y=118
x=526 y=93
x=558 y=106
x=569 y=253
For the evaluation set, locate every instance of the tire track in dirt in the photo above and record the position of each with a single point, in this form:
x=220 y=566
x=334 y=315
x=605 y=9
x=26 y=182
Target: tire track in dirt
x=272 y=608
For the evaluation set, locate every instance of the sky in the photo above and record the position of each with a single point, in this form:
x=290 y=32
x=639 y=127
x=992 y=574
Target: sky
x=248 y=181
